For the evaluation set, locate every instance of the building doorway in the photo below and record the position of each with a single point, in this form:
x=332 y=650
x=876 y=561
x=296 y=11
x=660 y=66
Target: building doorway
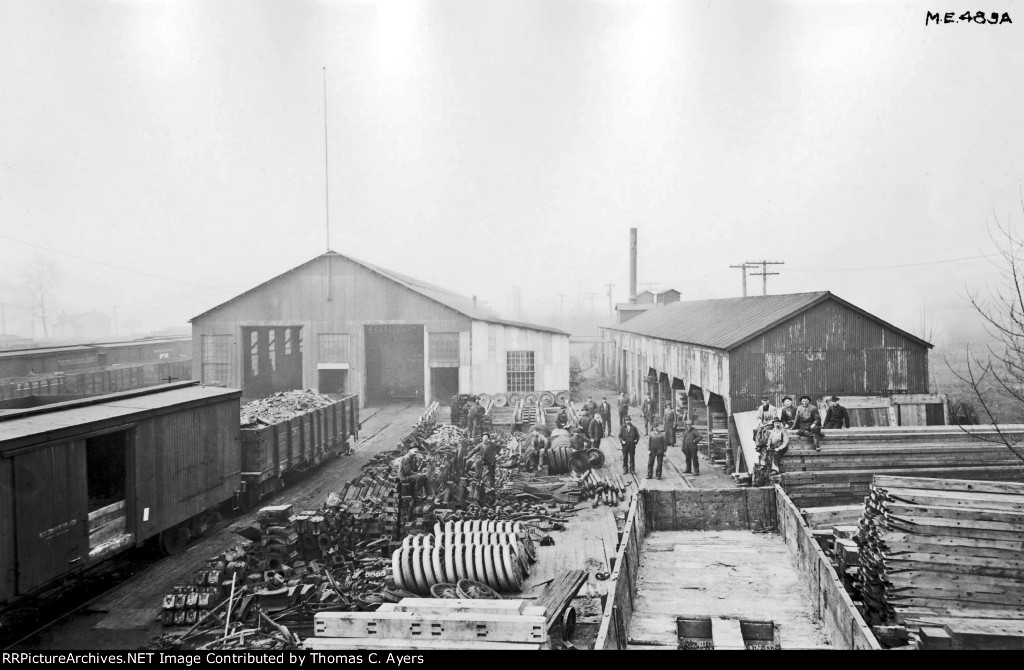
x=444 y=383
x=394 y=363
x=333 y=381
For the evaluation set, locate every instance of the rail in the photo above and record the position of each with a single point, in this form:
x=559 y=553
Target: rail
x=618 y=606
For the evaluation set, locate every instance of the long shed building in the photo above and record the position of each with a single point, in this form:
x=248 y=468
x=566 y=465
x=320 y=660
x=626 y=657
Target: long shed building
x=728 y=352
x=341 y=325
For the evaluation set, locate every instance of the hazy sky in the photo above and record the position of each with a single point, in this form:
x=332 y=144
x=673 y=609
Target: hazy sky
x=482 y=144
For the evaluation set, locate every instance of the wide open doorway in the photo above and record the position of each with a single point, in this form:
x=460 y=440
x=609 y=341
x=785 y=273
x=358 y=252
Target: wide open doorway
x=394 y=363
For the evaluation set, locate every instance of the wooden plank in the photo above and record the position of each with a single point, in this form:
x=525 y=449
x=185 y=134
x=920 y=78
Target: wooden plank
x=921 y=615
x=476 y=606
x=451 y=626
x=982 y=634
x=371 y=643
x=968 y=486
x=726 y=634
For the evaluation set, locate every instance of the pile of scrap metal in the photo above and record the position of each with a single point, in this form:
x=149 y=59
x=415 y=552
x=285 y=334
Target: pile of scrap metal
x=281 y=407
x=269 y=588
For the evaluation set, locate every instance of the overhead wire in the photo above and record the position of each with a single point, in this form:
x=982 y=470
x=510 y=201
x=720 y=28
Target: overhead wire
x=113 y=266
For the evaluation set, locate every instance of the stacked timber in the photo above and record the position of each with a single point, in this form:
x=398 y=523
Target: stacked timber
x=434 y=623
x=946 y=555
x=841 y=472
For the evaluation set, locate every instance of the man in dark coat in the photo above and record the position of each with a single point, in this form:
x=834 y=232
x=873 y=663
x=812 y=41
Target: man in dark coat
x=622 y=403
x=670 y=426
x=410 y=471
x=656 y=448
x=836 y=415
x=471 y=418
x=648 y=409
x=691 y=438
x=590 y=406
x=596 y=430
x=629 y=436
x=808 y=422
x=487 y=457
x=606 y=414
x=580 y=440
x=788 y=412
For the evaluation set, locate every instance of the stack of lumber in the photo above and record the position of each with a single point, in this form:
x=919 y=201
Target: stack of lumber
x=434 y=623
x=945 y=554
x=841 y=472
x=558 y=595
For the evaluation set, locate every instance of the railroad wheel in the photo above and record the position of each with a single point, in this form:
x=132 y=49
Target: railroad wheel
x=173 y=540
x=569 y=624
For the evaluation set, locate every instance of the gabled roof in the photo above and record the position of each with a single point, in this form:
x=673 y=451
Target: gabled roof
x=729 y=322
x=450 y=299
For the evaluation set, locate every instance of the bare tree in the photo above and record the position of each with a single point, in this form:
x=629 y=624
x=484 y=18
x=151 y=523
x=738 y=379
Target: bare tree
x=995 y=377
x=40 y=279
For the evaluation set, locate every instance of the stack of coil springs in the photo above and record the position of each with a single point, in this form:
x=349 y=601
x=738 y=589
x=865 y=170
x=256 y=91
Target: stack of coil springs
x=496 y=553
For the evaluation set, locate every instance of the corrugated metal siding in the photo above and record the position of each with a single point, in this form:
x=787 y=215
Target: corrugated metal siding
x=52 y=530
x=8 y=559
x=827 y=349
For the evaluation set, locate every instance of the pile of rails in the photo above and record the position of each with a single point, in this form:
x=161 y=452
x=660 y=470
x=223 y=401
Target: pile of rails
x=841 y=472
x=945 y=558
x=281 y=407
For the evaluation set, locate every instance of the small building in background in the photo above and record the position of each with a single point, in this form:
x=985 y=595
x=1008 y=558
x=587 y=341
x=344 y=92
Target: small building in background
x=81 y=327
x=340 y=325
x=644 y=301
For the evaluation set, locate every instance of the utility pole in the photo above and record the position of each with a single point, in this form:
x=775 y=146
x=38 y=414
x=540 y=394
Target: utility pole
x=611 y=310
x=649 y=284
x=763 y=274
x=744 y=267
x=561 y=303
x=590 y=297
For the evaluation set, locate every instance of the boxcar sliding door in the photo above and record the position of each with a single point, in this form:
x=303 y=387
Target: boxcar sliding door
x=51 y=508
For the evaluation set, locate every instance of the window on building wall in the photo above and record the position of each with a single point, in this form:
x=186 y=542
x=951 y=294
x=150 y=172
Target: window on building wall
x=272 y=346
x=300 y=340
x=520 y=371
x=287 y=341
x=254 y=353
x=333 y=348
x=216 y=359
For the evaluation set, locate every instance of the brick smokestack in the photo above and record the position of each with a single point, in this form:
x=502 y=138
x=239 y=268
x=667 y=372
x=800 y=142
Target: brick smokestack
x=632 y=263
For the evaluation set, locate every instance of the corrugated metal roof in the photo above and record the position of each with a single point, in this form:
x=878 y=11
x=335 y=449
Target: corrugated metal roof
x=45 y=422
x=450 y=299
x=729 y=322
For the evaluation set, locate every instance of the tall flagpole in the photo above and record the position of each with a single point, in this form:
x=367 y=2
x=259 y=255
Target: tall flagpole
x=327 y=174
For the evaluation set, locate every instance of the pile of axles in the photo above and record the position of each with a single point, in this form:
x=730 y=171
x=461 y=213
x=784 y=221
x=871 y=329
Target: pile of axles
x=609 y=489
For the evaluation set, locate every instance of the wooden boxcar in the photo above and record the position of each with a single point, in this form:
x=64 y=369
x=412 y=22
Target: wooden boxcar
x=86 y=479
x=270 y=453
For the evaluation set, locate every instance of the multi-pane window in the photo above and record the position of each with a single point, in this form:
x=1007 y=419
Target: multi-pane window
x=216 y=359
x=333 y=348
x=287 y=341
x=520 y=375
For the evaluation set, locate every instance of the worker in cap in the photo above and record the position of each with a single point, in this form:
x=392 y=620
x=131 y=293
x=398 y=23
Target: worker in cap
x=656 y=448
x=628 y=436
x=836 y=415
x=766 y=411
x=691 y=438
x=808 y=422
x=410 y=471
